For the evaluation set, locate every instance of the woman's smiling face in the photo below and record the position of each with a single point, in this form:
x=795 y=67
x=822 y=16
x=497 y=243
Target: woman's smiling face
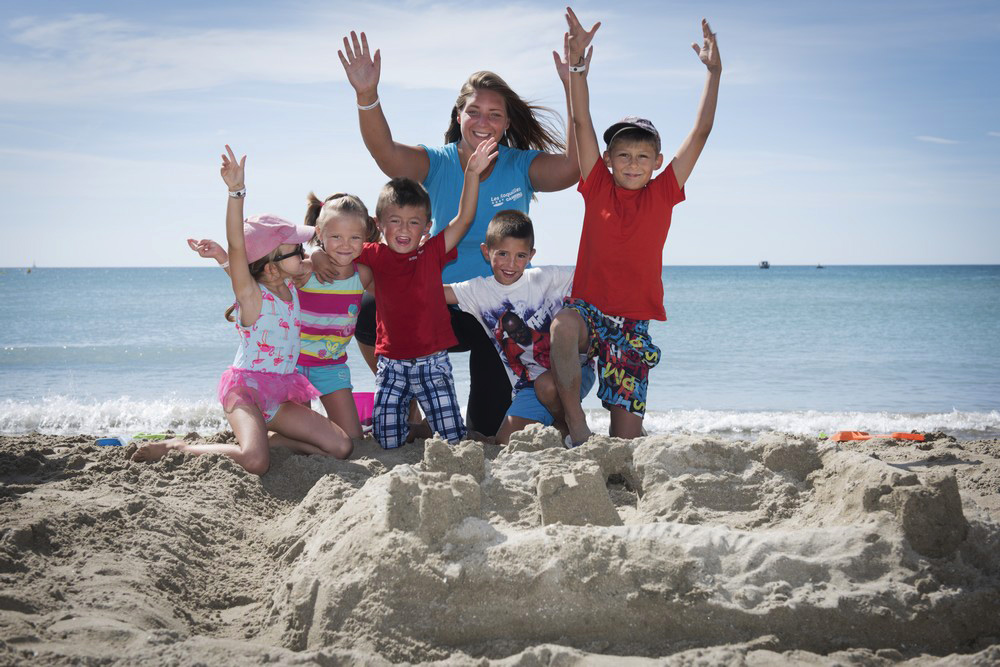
x=484 y=116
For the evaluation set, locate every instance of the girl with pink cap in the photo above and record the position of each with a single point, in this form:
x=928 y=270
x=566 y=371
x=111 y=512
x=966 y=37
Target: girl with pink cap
x=262 y=391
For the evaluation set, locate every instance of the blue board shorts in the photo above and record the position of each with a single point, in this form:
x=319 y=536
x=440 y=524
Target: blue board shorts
x=328 y=379
x=527 y=406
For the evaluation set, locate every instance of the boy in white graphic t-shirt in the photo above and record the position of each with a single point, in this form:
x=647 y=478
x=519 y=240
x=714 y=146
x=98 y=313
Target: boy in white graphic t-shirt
x=516 y=306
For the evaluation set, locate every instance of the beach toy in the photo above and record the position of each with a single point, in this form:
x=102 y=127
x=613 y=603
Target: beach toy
x=844 y=436
x=365 y=402
x=151 y=436
x=110 y=442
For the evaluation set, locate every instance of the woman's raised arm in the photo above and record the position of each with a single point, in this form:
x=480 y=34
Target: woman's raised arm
x=393 y=158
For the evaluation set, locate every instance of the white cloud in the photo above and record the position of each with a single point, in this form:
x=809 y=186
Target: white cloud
x=90 y=57
x=935 y=140
x=993 y=134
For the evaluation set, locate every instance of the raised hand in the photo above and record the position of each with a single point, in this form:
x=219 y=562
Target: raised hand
x=232 y=170
x=708 y=52
x=578 y=39
x=484 y=154
x=208 y=248
x=362 y=69
x=562 y=62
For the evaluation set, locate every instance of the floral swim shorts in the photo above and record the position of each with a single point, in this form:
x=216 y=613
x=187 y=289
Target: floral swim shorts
x=624 y=353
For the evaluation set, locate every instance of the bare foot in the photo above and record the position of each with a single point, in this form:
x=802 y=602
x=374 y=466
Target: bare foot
x=148 y=452
x=420 y=431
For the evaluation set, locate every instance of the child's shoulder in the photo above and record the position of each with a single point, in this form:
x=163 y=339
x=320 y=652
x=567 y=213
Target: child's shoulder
x=550 y=273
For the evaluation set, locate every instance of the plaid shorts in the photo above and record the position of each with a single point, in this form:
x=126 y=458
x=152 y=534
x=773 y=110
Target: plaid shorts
x=624 y=353
x=429 y=380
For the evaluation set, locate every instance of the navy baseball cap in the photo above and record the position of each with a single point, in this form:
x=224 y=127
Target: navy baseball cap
x=629 y=122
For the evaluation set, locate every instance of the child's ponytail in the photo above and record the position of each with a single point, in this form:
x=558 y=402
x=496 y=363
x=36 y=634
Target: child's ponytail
x=313 y=208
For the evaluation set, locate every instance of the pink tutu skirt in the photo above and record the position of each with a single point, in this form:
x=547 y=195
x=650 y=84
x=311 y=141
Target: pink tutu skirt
x=265 y=390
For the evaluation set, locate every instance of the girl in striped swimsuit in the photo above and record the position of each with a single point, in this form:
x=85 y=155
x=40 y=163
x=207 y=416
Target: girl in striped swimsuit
x=330 y=310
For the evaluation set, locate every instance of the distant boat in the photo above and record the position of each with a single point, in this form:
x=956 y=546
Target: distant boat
x=764 y=265
x=820 y=266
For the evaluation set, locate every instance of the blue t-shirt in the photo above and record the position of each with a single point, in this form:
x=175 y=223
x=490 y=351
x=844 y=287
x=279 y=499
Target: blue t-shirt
x=508 y=187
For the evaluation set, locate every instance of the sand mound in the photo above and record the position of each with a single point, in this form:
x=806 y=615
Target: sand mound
x=780 y=550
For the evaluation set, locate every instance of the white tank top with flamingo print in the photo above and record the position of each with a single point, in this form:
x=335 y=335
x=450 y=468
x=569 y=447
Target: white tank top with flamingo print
x=271 y=344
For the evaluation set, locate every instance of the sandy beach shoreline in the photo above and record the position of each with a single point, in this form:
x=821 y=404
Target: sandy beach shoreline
x=666 y=550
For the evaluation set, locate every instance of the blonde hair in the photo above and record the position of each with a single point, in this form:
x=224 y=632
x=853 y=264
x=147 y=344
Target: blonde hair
x=319 y=212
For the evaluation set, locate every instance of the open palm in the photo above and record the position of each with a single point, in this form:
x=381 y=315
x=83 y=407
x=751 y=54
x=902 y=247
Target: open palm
x=362 y=69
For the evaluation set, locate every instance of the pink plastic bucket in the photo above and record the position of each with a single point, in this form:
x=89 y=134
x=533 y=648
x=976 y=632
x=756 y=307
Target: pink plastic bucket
x=365 y=401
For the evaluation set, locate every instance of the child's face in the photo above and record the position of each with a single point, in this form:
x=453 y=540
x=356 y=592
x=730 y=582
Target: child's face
x=291 y=265
x=508 y=258
x=632 y=163
x=403 y=227
x=343 y=237
x=484 y=116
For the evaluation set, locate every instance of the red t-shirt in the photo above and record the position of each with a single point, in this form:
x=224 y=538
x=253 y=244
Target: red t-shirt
x=620 y=262
x=411 y=318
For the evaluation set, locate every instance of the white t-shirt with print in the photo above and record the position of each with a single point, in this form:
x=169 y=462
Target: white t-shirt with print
x=517 y=317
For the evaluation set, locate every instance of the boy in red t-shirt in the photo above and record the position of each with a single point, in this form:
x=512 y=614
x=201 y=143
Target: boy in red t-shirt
x=617 y=287
x=413 y=325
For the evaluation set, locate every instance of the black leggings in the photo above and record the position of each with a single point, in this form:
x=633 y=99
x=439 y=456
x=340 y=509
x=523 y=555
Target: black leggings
x=489 y=391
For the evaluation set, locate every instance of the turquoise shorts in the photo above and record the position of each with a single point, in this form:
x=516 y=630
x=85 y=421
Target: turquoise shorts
x=527 y=406
x=328 y=379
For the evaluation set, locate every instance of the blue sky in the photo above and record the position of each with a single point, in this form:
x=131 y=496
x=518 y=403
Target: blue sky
x=848 y=132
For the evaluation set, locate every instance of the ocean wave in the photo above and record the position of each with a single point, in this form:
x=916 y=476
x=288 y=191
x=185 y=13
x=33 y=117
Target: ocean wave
x=121 y=416
x=814 y=422
x=126 y=416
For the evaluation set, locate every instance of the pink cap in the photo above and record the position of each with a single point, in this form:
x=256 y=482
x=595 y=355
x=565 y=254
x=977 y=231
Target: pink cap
x=264 y=233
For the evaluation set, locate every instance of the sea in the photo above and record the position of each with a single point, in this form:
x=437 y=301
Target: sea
x=745 y=351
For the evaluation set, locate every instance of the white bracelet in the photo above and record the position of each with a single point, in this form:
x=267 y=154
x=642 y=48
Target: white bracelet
x=238 y=194
x=578 y=68
x=369 y=107
x=224 y=265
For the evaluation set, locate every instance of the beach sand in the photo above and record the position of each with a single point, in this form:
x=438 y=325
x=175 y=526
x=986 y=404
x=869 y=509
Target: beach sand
x=667 y=550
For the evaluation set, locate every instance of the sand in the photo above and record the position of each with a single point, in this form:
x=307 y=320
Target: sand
x=666 y=550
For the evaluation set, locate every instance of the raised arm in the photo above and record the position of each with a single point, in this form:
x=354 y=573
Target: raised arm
x=691 y=147
x=363 y=71
x=484 y=154
x=577 y=40
x=244 y=286
x=550 y=172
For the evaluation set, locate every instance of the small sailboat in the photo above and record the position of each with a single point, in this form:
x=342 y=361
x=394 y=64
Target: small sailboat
x=820 y=266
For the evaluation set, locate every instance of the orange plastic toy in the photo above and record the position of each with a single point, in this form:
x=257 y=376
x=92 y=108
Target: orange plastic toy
x=844 y=436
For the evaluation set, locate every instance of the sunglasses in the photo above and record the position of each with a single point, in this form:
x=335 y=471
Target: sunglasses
x=299 y=250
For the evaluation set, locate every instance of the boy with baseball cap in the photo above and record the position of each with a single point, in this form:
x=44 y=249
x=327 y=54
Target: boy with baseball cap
x=618 y=286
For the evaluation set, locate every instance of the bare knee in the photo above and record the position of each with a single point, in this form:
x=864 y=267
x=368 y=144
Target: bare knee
x=545 y=389
x=339 y=447
x=256 y=463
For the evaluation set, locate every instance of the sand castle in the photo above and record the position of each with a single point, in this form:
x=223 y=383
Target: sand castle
x=666 y=548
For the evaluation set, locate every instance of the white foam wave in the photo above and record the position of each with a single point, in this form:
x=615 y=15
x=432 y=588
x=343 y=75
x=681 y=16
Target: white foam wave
x=120 y=416
x=126 y=416
x=812 y=422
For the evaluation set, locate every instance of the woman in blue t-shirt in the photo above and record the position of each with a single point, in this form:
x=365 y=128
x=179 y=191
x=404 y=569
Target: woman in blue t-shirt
x=532 y=159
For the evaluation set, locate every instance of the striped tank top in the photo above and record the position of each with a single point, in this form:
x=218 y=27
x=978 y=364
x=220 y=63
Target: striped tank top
x=329 y=313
